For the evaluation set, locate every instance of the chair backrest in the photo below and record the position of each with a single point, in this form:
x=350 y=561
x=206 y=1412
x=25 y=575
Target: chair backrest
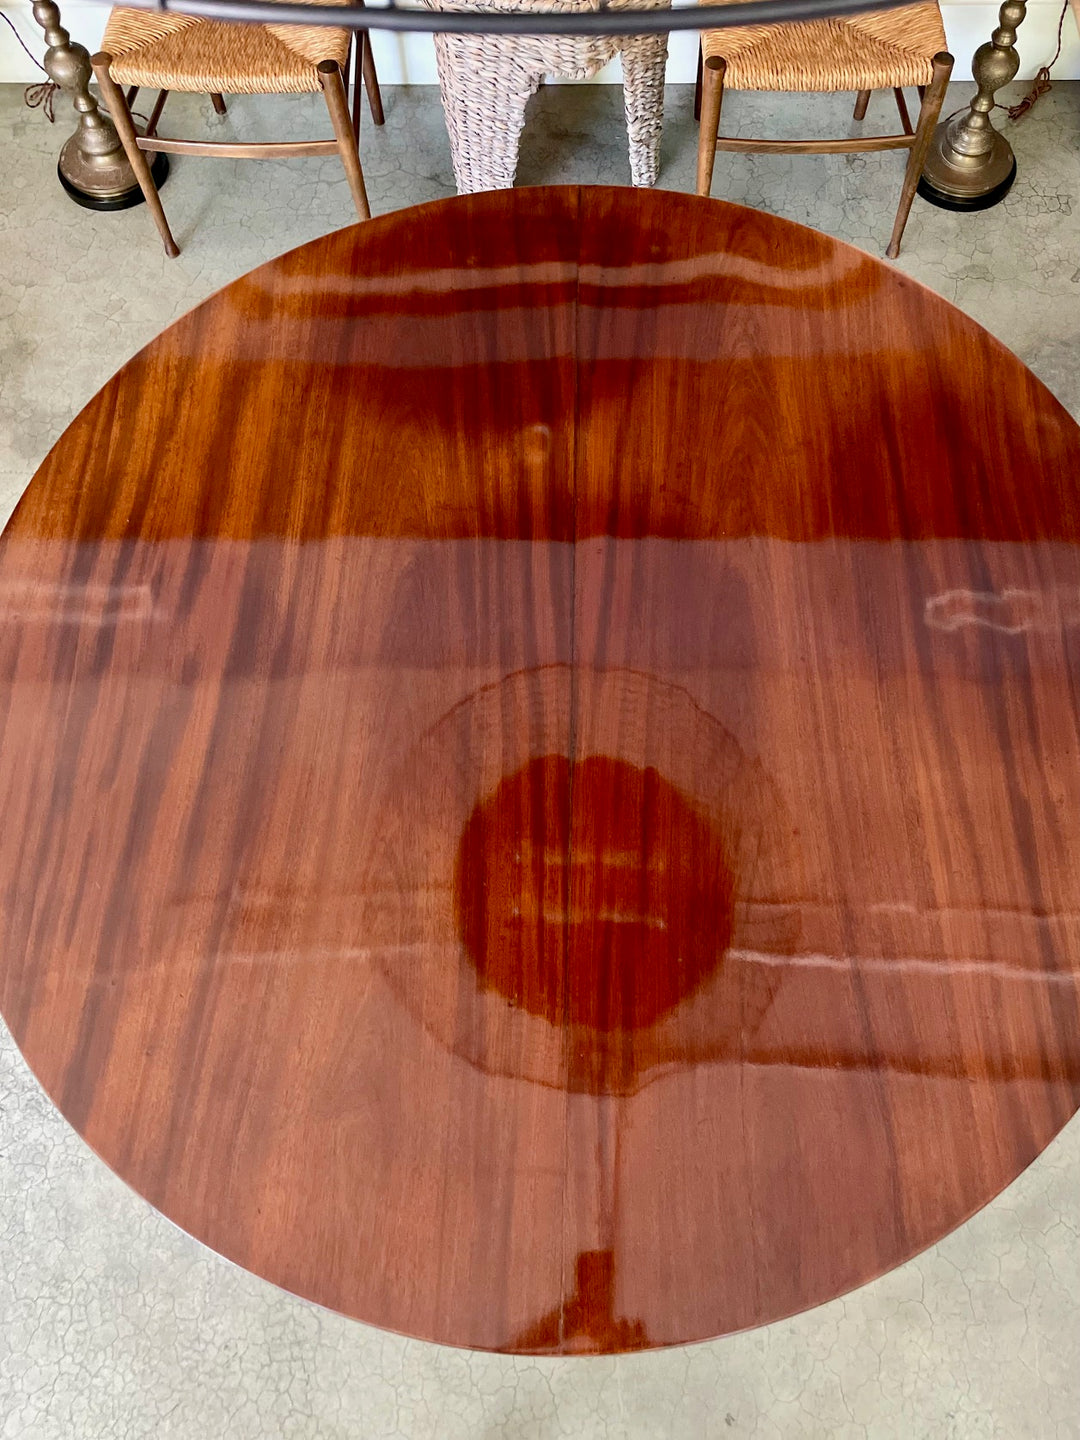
x=572 y=57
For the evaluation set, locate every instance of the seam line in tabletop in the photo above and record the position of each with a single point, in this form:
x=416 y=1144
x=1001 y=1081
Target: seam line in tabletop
x=572 y=746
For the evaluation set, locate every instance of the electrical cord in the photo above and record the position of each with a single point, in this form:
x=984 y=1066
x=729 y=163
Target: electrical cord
x=43 y=92
x=1041 y=85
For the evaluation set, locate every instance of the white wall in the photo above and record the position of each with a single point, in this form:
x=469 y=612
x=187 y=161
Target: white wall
x=409 y=59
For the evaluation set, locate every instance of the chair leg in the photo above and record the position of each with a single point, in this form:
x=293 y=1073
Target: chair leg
x=334 y=90
x=484 y=112
x=366 y=57
x=219 y=104
x=902 y=111
x=697 y=86
x=125 y=128
x=352 y=83
x=155 y=113
x=712 y=97
x=644 y=60
x=862 y=99
x=362 y=59
x=928 y=118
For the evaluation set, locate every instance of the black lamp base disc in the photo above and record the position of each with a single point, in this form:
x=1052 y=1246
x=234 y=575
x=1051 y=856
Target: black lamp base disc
x=945 y=201
x=159 y=169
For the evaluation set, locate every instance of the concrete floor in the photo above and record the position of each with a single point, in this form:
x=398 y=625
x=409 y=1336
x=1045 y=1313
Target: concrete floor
x=114 y=1324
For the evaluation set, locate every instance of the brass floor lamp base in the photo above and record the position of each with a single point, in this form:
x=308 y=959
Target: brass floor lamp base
x=111 y=187
x=954 y=181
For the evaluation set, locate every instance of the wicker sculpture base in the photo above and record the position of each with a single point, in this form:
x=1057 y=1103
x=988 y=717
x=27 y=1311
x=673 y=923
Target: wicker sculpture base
x=486 y=81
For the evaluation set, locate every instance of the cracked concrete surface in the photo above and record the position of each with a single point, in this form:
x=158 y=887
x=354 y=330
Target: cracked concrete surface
x=113 y=1323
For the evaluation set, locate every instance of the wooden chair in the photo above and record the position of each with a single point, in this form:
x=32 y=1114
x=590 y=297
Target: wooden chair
x=880 y=50
x=168 y=52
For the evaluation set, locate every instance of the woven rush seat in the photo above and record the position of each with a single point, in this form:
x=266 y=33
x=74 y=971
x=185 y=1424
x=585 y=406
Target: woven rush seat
x=181 y=52
x=880 y=50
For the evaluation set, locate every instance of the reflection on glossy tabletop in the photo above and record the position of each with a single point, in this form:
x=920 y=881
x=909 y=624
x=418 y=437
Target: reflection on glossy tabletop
x=540 y=758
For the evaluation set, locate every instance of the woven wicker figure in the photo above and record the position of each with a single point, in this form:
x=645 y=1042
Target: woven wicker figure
x=486 y=82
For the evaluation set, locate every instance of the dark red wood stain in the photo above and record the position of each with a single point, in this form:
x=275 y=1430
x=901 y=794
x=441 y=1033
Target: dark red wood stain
x=540 y=766
x=613 y=867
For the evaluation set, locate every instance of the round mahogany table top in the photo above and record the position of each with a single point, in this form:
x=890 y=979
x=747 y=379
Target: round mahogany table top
x=541 y=770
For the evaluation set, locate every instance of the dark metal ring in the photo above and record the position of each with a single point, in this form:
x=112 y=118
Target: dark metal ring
x=651 y=21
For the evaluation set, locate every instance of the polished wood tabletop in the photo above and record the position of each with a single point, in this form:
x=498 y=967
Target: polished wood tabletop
x=540 y=764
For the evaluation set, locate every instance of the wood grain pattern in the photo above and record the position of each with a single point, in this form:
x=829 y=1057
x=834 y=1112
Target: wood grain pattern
x=540 y=762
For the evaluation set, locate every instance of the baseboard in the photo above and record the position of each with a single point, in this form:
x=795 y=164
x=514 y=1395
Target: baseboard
x=410 y=59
